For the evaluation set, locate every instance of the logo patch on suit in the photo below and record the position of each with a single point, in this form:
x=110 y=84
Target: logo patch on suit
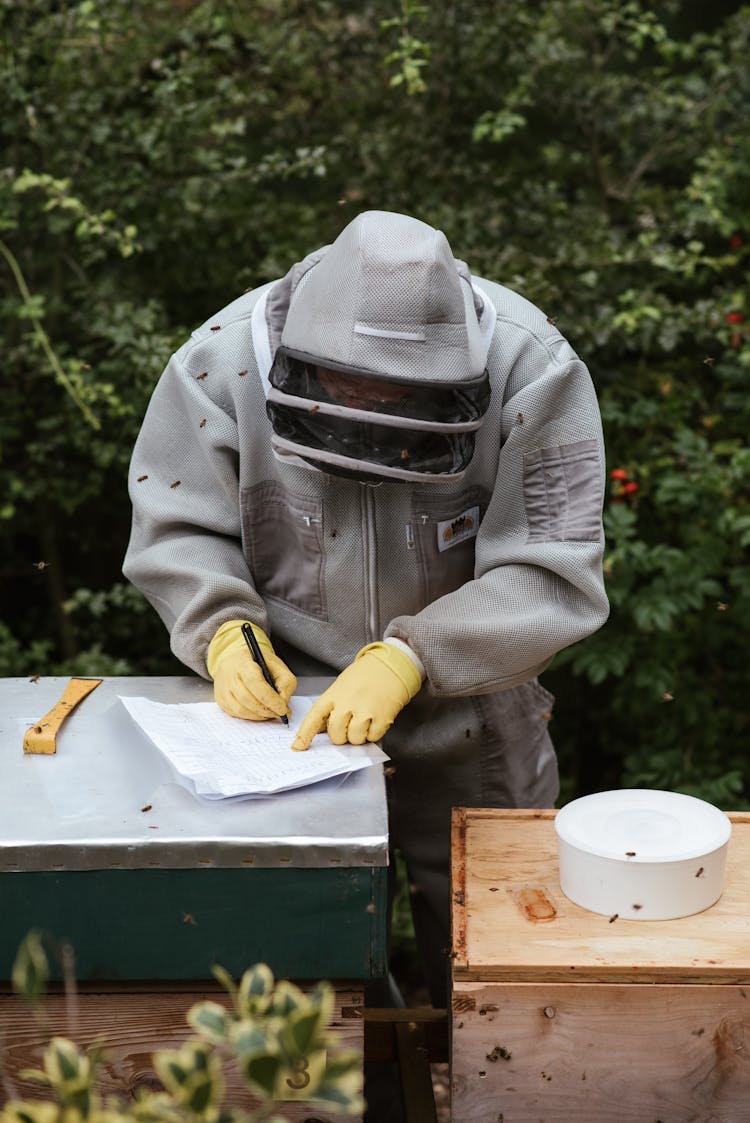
x=452 y=531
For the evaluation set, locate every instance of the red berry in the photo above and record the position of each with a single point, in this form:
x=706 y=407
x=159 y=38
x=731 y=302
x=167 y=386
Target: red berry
x=630 y=488
x=735 y=241
x=734 y=317
x=618 y=474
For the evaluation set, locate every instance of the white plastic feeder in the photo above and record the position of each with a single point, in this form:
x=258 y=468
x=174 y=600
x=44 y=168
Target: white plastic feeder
x=642 y=854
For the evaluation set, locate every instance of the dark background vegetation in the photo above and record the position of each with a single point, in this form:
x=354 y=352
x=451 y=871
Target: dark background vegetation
x=156 y=159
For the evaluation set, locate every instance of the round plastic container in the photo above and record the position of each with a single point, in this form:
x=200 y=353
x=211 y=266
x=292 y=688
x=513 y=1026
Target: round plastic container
x=642 y=854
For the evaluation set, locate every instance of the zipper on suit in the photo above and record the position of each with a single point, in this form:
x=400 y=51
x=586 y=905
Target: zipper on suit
x=409 y=528
x=368 y=509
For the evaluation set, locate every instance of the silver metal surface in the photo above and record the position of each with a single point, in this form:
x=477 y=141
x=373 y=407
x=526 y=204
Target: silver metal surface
x=108 y=799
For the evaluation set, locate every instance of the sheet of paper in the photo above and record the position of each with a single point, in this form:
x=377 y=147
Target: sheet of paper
x=222 y=757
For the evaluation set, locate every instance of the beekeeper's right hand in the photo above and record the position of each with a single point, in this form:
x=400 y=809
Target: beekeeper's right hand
x=239 y=686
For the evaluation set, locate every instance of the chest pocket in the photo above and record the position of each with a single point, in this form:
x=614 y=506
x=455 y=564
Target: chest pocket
x=444 y=534
x=282 y=538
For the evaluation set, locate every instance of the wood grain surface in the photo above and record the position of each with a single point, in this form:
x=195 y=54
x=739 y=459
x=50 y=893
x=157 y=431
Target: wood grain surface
x=132 y=1026
x=512 y=922
x=598 y=1053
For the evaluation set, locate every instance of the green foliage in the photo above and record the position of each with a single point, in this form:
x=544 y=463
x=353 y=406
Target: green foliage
x=160 y=158
x=30 y=969
x=275 y=1033
x=411 y=53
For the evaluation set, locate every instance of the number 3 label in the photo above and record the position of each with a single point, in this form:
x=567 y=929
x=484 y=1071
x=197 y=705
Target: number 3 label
x=304 y=1071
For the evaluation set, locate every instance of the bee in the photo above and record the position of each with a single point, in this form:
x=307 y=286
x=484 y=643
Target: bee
x=314 y=409
x=700 y=872
x=35 y=678
x=667 y=697
x=612 y=919
x=630 y=853
x=141 y=479
x=709 y=361
x=242 y=373
x=175 y=484
x=216 y=327
x=41 y=565
x=519 y=418
x=405 y=454
x=551 y=320
x=636 y=907
x=202 y=424
x=147 y=807
x=188 y=918
x=721 y=606
x=200 y=377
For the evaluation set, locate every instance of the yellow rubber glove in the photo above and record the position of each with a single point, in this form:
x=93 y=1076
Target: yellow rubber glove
x=364 y=700
x=239 y=686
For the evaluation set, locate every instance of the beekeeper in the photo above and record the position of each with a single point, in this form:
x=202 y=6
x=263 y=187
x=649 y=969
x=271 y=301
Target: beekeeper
x=394 y=471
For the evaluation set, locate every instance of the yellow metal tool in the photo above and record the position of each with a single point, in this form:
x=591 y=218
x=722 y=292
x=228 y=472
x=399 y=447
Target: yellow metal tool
x=40 y=737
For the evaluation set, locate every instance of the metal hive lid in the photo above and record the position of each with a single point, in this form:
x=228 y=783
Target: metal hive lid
x=82 y=808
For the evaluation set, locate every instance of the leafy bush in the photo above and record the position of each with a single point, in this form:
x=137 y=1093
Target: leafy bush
x=274 y=1032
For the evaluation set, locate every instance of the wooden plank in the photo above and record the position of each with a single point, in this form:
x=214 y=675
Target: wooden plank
x=514 y=923
x=509 y=813
x=458 y=888
x=133 y=1027
x=597 y=1053
x=414 y=1069
x=380 y=1031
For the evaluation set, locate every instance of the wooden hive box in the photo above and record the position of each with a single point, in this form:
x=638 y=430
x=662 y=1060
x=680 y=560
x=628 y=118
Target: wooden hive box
x=99 y=848
x=563 y=1016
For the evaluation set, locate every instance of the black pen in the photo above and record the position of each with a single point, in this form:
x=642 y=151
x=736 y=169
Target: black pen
x=257 y=655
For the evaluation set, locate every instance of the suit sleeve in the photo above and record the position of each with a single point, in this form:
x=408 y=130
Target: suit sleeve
x=538 y=584
x=185 y=551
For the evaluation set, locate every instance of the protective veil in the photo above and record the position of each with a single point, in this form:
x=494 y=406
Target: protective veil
x=381 y=368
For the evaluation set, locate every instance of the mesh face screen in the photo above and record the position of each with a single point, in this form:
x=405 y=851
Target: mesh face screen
x=435 y=453
x=376 y=394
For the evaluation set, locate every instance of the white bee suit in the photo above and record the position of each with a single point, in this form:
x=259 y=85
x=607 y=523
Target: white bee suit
x=476 y=538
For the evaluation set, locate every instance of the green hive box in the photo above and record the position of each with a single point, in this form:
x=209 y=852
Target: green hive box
x=101 y=848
